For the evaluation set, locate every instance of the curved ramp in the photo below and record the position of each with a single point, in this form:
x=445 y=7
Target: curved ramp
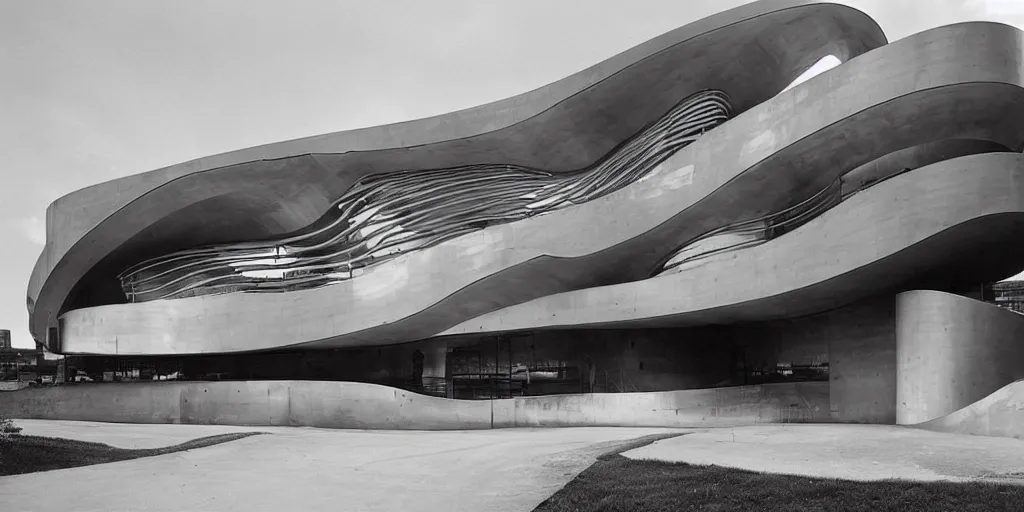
x=369 y=406
x=1000 y=414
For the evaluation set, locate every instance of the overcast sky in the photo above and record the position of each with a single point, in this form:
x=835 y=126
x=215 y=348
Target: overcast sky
x=93 y=90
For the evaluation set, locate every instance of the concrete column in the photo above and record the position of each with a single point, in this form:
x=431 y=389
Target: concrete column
x=862 y=362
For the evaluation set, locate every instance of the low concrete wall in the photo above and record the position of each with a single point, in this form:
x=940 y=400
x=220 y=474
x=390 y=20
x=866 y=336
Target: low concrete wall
x=299 y=403
x=741 y=405
x=13 y=385
x=1000 y=414
x=369 y=406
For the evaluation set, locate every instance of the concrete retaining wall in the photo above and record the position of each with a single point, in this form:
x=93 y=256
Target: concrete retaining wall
x=369 y=406
x=13 y=385
x=741 y=405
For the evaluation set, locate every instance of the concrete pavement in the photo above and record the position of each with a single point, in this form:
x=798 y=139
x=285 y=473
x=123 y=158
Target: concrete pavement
x=316 y=469
x=496 y=470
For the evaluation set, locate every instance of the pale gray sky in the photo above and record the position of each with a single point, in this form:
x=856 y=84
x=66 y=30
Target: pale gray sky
x=93 y=90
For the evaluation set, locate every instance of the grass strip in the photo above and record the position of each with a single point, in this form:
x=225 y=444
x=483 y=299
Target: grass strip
x=616 y=483
x=28 y=454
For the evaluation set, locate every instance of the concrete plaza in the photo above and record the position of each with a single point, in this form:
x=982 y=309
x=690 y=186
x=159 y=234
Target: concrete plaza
x=314 y=469
x=501 y=470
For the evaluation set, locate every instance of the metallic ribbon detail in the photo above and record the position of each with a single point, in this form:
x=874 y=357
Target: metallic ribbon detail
x=755 y=232
x=384 y=215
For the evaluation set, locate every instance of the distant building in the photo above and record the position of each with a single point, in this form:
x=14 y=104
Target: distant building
x=14 y=361
x=22 y=363
x=1010 y=295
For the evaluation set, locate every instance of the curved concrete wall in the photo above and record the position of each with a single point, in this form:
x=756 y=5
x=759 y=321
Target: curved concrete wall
x=758 y=49
x=874 y=240
x=804 y=402
x=1000 y=414
x=951 y=352
x=306 y=403
x=829 y=124
x=369 y=406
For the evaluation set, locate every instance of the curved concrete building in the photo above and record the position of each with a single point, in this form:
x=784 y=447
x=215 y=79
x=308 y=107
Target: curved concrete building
x=672 y=226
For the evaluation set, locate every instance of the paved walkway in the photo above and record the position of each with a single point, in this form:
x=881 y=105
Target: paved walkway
x=128 y=435
x=493 y=470
x=316 y=469
x=853 y=452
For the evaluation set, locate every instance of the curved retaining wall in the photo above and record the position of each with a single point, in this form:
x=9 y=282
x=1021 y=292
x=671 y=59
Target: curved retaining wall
x=951 y=352
x=370 y=406
x=1000 y=414
x=804 y=402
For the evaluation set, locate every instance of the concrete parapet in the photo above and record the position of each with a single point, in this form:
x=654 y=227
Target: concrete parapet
x=14 y=385
x=740 y=405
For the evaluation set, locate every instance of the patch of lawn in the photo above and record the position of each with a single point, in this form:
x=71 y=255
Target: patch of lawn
x=616 y=483
x=28 y=454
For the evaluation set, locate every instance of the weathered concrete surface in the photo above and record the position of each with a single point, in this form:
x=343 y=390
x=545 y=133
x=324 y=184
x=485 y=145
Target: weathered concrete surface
x=862 y=362
x=257 y=193
x=369 y=406
x=830 y=124
x=856 y=344
x=1000 y=414
x=741 y=405
x=270 y=403
x=312 y=469
x=877 y=239
x=853 y=452
x=952 y=351
x=129 y=435
x=15 y=385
